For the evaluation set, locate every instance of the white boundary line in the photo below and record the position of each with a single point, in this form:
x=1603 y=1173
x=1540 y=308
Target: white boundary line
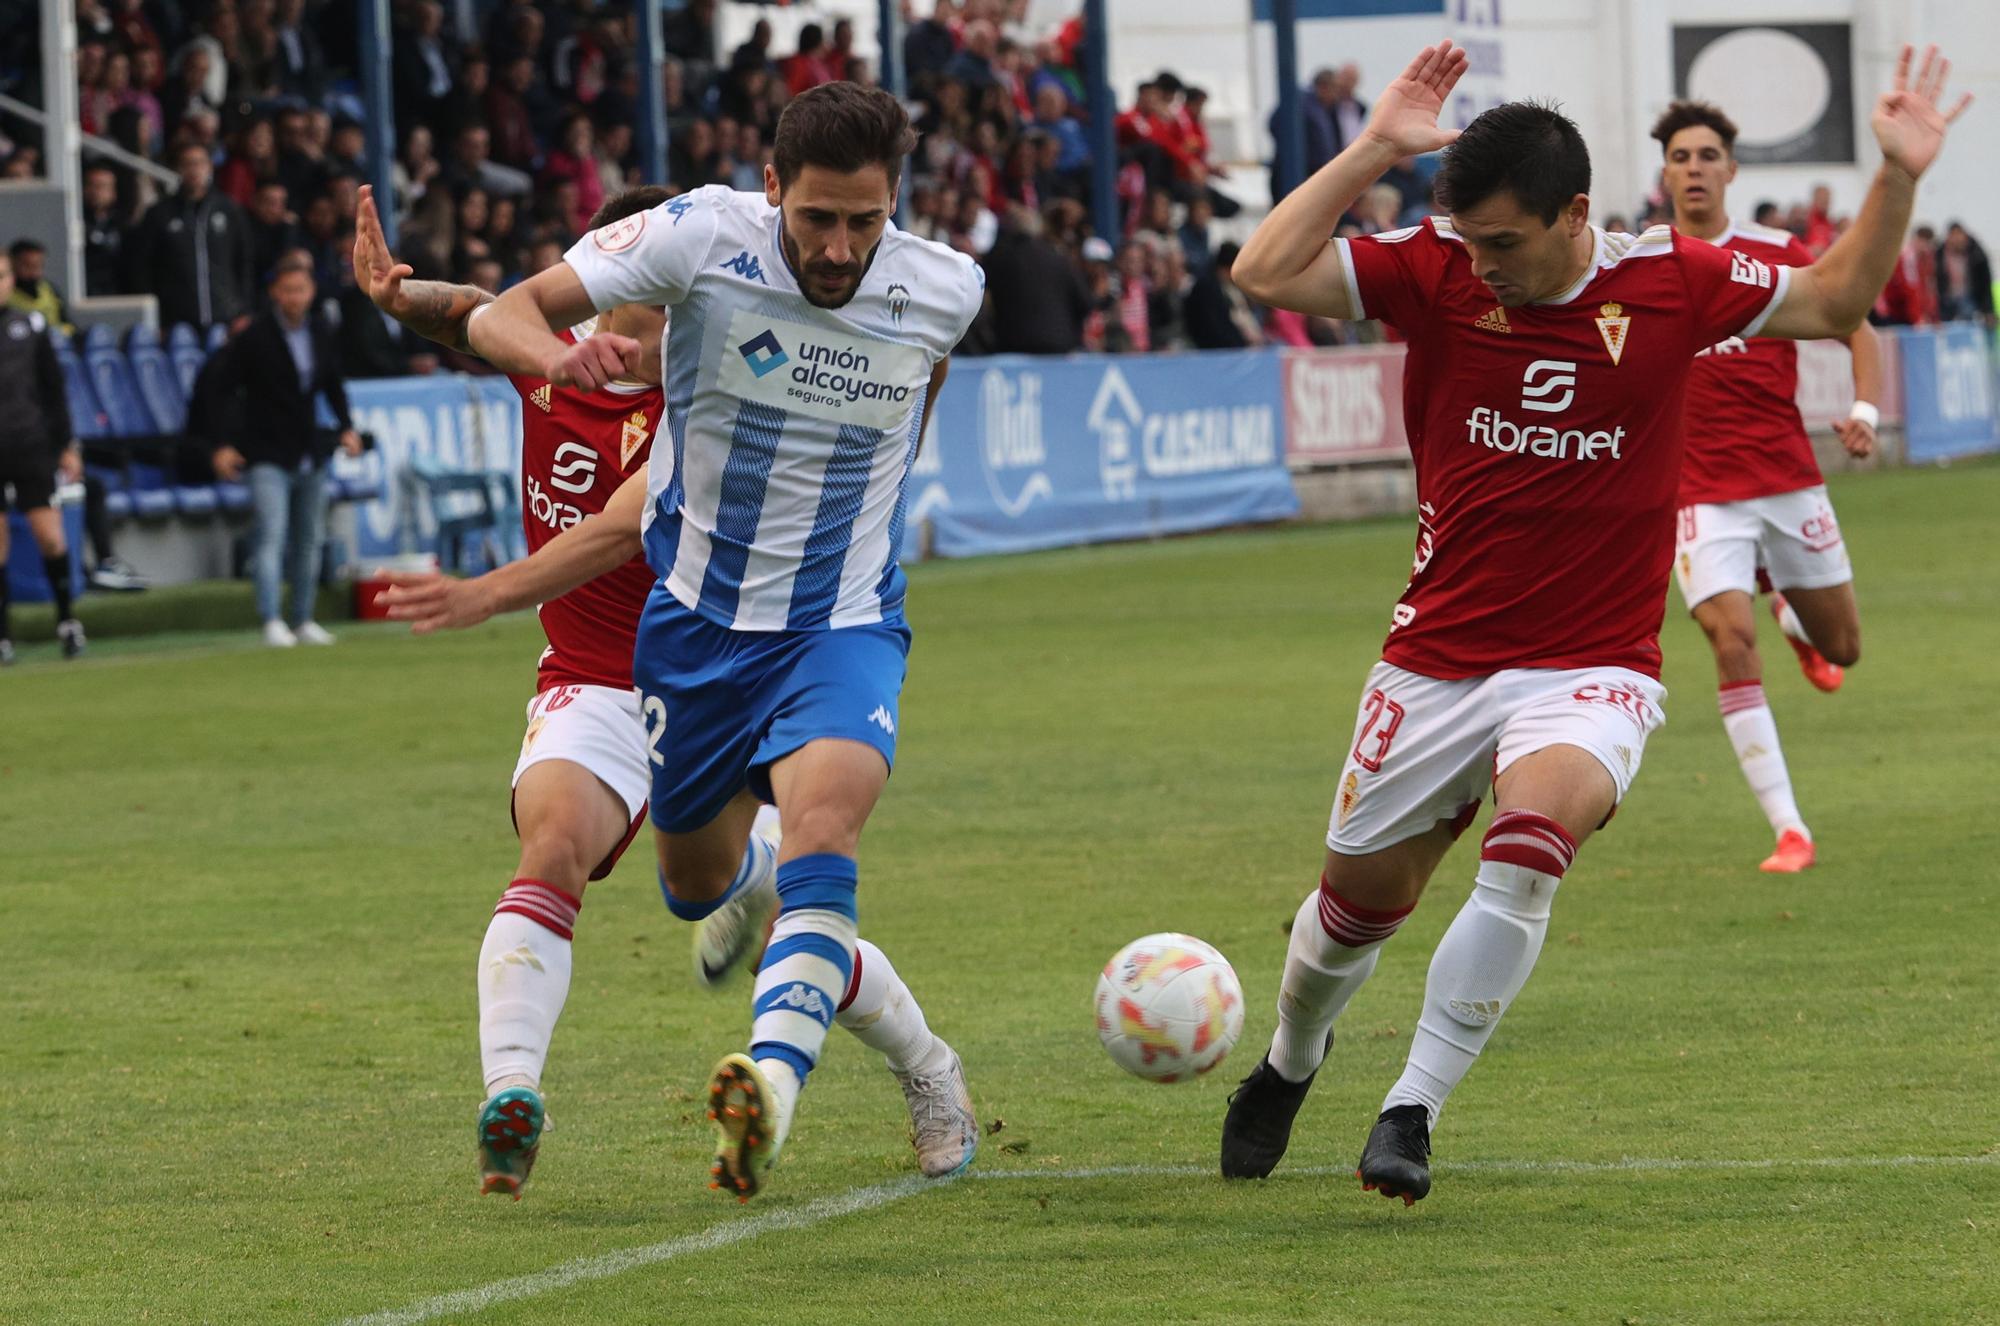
x=604 y=1265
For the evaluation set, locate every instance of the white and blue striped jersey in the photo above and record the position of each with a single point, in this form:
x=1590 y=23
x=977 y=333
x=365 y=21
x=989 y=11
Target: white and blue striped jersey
x=779 y=504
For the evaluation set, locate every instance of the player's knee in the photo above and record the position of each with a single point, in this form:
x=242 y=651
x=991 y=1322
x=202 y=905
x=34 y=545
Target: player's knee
x=557 y=853
x=1843 y=647
x=1735 y=649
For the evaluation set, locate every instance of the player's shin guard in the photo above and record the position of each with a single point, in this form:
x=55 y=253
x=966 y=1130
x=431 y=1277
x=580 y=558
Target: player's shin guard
x=1485 y=957
x=806 y=968
x=1753 y=732
x=524 y=970
x=880 y=1012
x=1333 y=950
x=752 y=870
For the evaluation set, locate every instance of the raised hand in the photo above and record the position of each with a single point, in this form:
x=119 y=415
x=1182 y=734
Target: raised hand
x=596 y=360
x=375 y=268
x=1908 y=125
x=1406 y=113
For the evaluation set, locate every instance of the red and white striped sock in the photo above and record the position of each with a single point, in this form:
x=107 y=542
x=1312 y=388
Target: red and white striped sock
x=1334 y=946
x=1485 y=956
x=1753 y=732
x=524 y=970
x=879 y=1011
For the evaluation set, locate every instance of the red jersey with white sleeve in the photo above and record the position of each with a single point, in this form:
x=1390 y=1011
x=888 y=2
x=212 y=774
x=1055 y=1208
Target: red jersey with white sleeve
x=1547 y=441
x=576 y=449
x=1745 y=438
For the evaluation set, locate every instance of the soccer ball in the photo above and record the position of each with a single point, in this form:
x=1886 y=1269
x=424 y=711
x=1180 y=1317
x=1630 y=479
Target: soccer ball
x=1169 y=1007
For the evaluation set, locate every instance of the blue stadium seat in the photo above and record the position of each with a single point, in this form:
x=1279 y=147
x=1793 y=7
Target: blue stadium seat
x=152 y=496
x=184 y=348
x=159 y=387
x=196 y=500
x=117 y=502
x=218 y=336
x=111 y=377
x=86 y=416
x=233 y=496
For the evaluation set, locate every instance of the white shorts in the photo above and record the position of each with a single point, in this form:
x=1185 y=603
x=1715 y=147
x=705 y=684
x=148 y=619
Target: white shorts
x=599 y=728
x=1792 y=536
x=1425 y=750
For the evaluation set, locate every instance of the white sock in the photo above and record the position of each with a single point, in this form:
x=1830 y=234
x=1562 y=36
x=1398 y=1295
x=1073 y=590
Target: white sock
x=883 y=1015
x=1332 y=952
x=1754 y=733
x=1789 y=623
x=523 y=977
x=1485 y=956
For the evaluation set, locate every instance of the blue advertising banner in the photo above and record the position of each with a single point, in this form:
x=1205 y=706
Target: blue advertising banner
x=1028 y=452
x=1948 y=398
x=462 y=423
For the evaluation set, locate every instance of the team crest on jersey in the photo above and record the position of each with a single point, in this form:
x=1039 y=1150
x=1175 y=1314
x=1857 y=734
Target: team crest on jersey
x=899 y=302
x=1613 y=325
x=632 y=435
x=1350 y=793
x=1494 y=321
x=540 y=396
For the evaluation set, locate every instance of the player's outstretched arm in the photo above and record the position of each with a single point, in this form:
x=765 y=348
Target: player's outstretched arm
x=1289 y=262
x=433 y=309
x=586 y=550
x=515 y=334
x=1831 y=297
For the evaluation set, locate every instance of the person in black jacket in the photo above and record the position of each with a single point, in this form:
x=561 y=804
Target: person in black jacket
x=1219 y=315
x=192 y=250
x=1039 y=300
x=285 y=367
x=34 y=443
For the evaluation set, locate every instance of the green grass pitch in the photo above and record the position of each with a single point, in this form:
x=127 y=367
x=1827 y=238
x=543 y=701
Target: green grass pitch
x=243 y=892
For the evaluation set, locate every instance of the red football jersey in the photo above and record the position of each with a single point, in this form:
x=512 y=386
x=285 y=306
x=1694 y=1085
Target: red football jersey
x=1547 y=467
x=576 y=448
x=1744 y=435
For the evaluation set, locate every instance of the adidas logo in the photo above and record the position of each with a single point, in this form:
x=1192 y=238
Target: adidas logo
x=540 y=396
x=1475 y=1012
x=880 y=718
x=1495 y=320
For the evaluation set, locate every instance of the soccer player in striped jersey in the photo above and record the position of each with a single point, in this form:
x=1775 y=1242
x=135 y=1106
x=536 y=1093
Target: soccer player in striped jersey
x=580 y=786
x=1752 y=500
x=1547 y=363
x=806 y=337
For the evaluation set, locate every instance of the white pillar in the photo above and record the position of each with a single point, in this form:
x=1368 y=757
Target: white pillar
x=59 y=135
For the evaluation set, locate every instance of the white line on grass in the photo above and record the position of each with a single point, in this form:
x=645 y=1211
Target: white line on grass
x=603 y=1265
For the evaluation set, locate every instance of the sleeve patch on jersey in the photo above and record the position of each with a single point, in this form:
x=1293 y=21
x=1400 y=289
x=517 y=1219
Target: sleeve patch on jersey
x=620 y=235
x=1746 y=270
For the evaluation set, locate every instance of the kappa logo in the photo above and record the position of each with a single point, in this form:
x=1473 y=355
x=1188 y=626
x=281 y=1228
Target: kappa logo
x=540 y=396
x=880 y=718
x=763 y=353
x=899 y=302
x=1494 y=320
x=678 y=207
x=746 y=266
x=804 y=999
x=1613 y=326
x=1544 y=378
x=1475 y=1012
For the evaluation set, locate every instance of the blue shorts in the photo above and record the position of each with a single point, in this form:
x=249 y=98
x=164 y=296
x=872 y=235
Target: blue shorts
x=723 y=706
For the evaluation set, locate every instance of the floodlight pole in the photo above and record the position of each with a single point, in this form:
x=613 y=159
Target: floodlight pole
x=379 y=128
x=652 y=92
x=1103 y=109
x=1290 y=145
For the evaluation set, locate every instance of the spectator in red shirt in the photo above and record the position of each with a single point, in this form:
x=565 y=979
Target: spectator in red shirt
x=814 y=62
x=576 y=162
x=1821 y=230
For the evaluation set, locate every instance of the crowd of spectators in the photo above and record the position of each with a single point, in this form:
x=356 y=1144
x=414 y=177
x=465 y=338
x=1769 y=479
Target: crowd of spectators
x=507 y=142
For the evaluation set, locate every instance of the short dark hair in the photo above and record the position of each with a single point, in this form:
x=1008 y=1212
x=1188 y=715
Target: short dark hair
x=1692 y=114
x=629 y=203
x=1525 y=148
x=294 y=260
x=21 y=247
x=842 y=127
